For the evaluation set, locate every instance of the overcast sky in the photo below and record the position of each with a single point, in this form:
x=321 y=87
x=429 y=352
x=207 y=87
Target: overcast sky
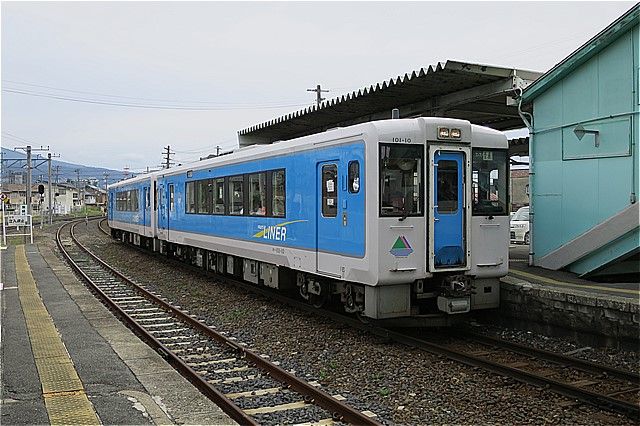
x=246 y=62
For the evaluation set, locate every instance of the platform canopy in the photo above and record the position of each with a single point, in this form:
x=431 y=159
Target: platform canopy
x=482 y=94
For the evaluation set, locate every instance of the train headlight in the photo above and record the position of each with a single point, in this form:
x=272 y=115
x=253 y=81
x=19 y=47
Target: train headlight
x=448 y=133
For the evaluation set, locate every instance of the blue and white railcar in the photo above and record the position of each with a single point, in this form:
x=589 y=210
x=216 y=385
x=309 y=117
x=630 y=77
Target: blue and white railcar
x=396 y=218
x=129 y=208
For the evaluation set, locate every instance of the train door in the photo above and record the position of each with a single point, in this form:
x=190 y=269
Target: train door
x=448 y=209
x=171 y=205
x=111 y=207
x=329 y=222
x=145 y=209
x=163 y=213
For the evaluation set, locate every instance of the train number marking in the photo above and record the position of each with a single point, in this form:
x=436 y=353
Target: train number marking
x=401 y=140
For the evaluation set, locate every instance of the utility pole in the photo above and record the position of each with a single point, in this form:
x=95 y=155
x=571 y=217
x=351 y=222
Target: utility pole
x=49 y=156
x=77 y=172
x=49 y=188
x=29 y=150
x=28 y=192
x=217 y=150
x=167 y=158
x=318 y=91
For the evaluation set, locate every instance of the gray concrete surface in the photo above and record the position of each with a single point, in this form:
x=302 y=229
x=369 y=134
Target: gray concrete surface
x=21 y=398
x=125 y=380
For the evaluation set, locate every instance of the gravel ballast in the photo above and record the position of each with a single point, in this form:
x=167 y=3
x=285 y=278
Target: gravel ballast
x=400 y=384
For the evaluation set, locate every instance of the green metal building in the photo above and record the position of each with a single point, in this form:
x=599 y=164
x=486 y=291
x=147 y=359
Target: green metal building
x=585 y=166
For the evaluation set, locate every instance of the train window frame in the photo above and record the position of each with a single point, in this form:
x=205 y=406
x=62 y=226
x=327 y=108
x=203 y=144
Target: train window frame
x=236 y=179
x=190 y=197
x=476 y=209
x=325 y=191
x=261 y=192
x=420 y=204
x=272 y=195
x=445 y=186
x=353 y=178
x=172 y=198
x=215 y=199
x=203 y=201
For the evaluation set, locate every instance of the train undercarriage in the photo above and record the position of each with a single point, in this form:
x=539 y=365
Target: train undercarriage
x=432 y=302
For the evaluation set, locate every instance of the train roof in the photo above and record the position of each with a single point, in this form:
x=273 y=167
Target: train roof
x=488 y=138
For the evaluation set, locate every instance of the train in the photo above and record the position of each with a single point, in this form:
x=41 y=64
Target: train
x=389 y=219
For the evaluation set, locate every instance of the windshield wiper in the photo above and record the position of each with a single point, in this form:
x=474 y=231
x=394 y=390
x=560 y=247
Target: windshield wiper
x=405 y=212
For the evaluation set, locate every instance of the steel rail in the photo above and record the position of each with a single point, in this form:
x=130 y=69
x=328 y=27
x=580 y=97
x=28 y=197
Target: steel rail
x=236 y=413
x=338 y=409
x=584 y=365
x=570 y=391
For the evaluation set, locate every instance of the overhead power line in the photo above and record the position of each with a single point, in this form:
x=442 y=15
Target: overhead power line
x=148 y=106
x=137 y=98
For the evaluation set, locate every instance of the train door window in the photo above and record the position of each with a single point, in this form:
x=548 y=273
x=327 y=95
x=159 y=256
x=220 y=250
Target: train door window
x=190 y=190
x=155 y=195
x=258 y=194
x=278 y=197
x=236 y=195
x=171 y=199
x=330 y=190
x=218 y=196
x=401 y=188
x=147 y=197
x=447 y=186
x=354 y=177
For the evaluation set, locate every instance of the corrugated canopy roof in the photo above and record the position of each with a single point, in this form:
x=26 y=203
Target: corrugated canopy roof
x=478 y=93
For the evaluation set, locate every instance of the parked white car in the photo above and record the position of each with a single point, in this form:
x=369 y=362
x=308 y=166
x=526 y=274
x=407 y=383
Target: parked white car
x=520 y=226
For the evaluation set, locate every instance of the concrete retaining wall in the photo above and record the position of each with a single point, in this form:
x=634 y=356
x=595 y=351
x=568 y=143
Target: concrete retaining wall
x=584 y=314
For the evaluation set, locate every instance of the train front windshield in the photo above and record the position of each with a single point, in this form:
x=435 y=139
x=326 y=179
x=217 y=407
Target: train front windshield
x=401 y=169
x=490 y=192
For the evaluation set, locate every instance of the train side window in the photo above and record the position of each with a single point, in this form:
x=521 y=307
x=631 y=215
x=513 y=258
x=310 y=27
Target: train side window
x=218 y=196
x=447 y=186
x=354 y=177
x=171 y=199
x=258 y=194
x=203 y=196
x=236 y=195
x=190 y=195
x=135 y=203
x=330 y=190
x=278 y=193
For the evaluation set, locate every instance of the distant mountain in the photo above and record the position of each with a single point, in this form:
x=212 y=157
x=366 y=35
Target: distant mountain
x=66 y=171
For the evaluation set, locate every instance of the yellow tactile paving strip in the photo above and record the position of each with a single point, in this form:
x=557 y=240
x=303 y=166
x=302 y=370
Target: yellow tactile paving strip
x=63 y=392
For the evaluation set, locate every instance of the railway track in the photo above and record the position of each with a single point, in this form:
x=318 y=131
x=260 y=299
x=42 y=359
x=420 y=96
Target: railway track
x=247 y=386
x=581 y=381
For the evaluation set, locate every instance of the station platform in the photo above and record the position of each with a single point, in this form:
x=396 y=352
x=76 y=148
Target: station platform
x=67 y=360
x=590 y=310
